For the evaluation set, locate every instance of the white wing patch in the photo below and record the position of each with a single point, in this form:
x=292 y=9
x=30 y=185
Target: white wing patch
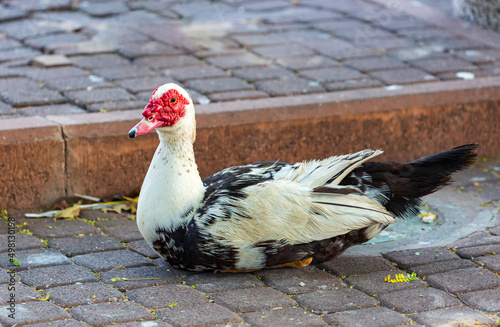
x=286 y=208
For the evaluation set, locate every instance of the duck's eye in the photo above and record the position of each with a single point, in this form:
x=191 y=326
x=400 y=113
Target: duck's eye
x=150 y=118
x=173 y=100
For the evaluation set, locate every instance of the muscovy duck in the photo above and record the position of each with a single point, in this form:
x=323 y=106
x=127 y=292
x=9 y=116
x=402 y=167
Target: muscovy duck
x=270 y=214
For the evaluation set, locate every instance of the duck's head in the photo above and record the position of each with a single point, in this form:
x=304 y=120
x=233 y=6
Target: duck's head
x=170 y=109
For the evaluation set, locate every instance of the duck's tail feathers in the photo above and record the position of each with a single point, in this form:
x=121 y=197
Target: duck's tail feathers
x=407 y=182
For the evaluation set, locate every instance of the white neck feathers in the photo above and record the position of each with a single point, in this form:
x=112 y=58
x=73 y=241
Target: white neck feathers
x=172 y=185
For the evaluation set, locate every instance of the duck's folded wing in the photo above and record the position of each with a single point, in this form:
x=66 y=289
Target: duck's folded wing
x=296 y=204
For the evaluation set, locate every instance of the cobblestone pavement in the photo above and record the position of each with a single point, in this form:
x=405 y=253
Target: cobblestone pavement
x=97 y=270
x=65 y=56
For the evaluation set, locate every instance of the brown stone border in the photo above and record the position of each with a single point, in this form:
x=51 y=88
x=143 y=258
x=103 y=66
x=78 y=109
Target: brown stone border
x=45 y=160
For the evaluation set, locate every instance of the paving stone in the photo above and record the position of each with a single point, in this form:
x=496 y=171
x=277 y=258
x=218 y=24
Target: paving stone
x=99 y=95
x=150 y=323
x=262 y=73
x=370 y=317
x=425 y=33
x=142 y=324
x=283 y=317
x=142 y=247
x=44 y=74
x=49 y=42
x=88 y=48
x=99 y=215
x=195 y=72
x=492 y=262
x=402 y=76
x=162 y=62
x=296 y=281
x=479 y=56
x=237 y=95
x=402 y=22
x=455 y=43
x=22 y=242
x=289 y=86
x=488 y=300
x=375 y=283
x=26 y=28
x=452 y=317
x=122 y=72
x=48 y=228
x=328 y=301
x=33 y=312
x=417 y=257
x=22 y=293
x=353 y=84
x=418 y=53
x=103 y=261
x=99 y=61
x=60 y=323
x=132 y=278
x=35 y=258
x=441 y=266
x=21 y=92
x=138 y=84
x=237 y=61
x=51 y=61
x=206 y=314
x=277 y=51
x=385 y=43
x=340 y=50
x=252 y=299
x=72 y=246
x=440 y=65
x=375 y=63
x=33 y=5
x=477 y=251
x=116 y=105
x=218 y=84
x=8 y=276
x=476 y=239
x=50 y=110
x=417 y=300
x=100 y=314
x=18 y=53
x=216 y=282
x=80 y=294
x=494 y=231
x=217 y=52
x=148 y=48
x=299 y=63
x=5 y=109
x=466 y=280
x=331 y=74
x=8 y=14
x=125 y=230
x=78 y=83
x=42 y=278
x=356 y=265
x=260 y=39
x=103 y=9
x=166 y=295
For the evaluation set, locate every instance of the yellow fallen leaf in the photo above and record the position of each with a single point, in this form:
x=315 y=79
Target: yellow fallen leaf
x=119 y=207
x=70 y=212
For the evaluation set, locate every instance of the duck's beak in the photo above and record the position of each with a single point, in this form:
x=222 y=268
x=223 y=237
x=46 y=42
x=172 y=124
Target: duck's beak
x=144 y=127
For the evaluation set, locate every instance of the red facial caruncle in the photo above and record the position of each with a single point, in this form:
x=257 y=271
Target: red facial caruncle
x=168 y=108
x=160 y=112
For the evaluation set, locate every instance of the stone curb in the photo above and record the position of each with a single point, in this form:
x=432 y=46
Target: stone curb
x=92 y=154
